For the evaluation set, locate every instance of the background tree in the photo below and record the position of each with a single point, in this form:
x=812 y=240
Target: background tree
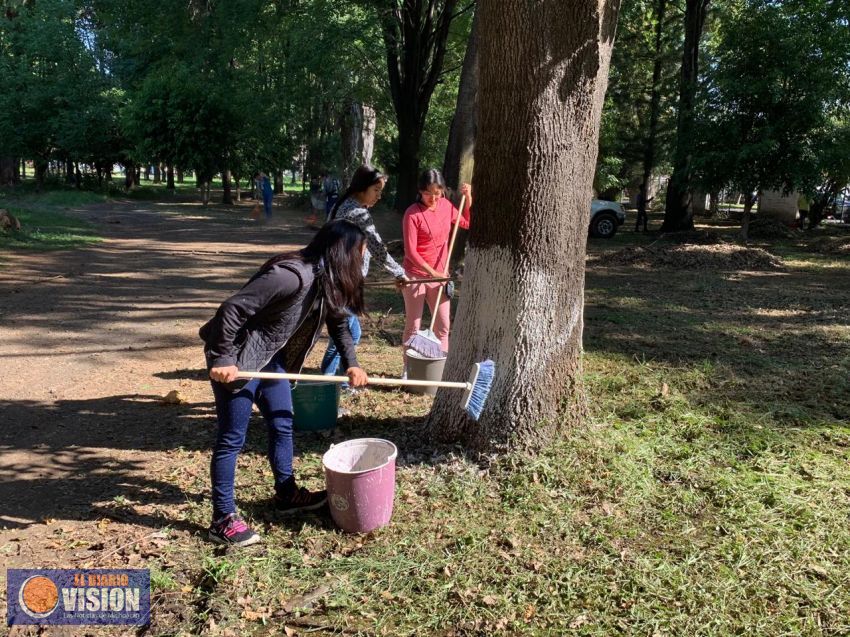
x=415 y=35
x=638 y=120
x=543 y=72
x=460 y=148
x=770 y=105
x=678 y=212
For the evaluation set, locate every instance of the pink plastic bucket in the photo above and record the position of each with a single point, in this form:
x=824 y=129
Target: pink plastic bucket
x=360 y=478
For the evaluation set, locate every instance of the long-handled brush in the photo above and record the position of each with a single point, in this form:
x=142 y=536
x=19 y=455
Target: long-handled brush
x=425 y=342
x=475 y=389
x=378 y=284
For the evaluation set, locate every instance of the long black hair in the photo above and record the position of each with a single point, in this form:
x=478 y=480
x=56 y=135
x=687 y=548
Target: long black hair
x=339 y=244
x=363 y=178
x=432 y=176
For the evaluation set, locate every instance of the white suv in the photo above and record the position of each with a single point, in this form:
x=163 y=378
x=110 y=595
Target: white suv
x=605 y=218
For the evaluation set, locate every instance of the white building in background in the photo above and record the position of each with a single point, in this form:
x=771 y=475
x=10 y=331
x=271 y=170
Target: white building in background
x=775 y=204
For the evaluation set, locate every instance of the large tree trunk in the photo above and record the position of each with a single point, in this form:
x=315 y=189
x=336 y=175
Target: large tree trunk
x=278 y=182
x=655 y=96
x=357 y=126
x=678 y=213
x=409 y=139
x=179 y=176
x=23 y=168
x=129 y=176
x=543 y=73
x=40 y=171
x=169 y=176
x=460 y=150
x=749 y=200
x=7 y=170
x=227 y=193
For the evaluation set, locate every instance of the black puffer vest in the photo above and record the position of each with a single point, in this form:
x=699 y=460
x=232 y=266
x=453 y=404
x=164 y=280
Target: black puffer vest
x=256 y=323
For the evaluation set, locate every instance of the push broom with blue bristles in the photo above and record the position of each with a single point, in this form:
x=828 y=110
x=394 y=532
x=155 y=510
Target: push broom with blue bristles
x=475 y=389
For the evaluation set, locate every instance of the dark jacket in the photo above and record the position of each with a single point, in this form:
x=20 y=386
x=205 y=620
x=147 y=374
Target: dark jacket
x=279 y=309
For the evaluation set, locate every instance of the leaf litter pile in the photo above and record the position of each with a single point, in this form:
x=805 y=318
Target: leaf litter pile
x=695 y=251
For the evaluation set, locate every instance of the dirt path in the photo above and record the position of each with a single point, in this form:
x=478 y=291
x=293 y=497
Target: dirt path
x=92 y=339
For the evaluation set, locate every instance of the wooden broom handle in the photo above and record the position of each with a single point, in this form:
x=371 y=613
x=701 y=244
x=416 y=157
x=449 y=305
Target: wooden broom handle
x=448 y=259
x=373 y=380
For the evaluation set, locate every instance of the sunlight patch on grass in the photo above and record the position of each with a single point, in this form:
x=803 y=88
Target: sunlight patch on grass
x=45 y=229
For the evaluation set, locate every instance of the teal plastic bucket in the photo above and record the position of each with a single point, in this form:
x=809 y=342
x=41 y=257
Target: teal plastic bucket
x=315 y=406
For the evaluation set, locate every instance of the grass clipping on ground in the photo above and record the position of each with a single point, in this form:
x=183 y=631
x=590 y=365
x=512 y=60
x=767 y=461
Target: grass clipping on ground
x=702 y=251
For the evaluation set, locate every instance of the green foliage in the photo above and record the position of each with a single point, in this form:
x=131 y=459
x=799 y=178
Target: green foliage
x=55 y=102
x=775 y=95
x=625 y=118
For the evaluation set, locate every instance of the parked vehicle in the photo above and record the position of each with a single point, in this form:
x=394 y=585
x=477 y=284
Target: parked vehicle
x=605 y=218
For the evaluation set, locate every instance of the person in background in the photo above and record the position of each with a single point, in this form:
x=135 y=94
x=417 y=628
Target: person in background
x=426 y=227
x=367 y=185
x=270 y=325
x=641 y=203
x=330 y=188
x=265 y=187
x=804 y=206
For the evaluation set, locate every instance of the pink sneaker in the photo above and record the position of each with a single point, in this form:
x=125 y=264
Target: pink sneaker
x=232 y=530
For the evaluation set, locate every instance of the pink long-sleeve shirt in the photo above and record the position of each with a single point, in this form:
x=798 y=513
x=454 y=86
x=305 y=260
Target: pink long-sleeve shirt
x=426 y=236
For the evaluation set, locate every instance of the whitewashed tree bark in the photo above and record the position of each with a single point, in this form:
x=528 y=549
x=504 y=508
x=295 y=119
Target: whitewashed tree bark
x=543 y=70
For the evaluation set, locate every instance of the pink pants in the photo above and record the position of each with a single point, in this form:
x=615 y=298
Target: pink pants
x=414 y=302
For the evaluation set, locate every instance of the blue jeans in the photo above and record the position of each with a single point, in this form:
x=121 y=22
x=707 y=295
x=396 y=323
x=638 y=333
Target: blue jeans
x=267 y=204
x=330 y=361
x=329 y=204
x=274 y=399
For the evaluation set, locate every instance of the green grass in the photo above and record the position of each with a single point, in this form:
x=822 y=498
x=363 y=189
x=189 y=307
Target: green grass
x=44 y=228
x=708 y=494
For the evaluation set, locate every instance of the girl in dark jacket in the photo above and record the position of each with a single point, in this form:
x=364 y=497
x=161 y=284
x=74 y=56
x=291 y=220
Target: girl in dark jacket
x=270 y=325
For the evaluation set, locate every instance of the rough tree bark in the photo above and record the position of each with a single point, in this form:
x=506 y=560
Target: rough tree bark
x=460 y=150
x=655 y=95
x=129 y=176
x=227 y=192
x=415 y=33
x=7 y=170
x=678 y=213
x=543 y=70
x=749 y=200
x=169 y=176
x=357 y=126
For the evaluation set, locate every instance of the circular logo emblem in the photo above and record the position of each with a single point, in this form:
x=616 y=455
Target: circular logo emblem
x=339 y=502
x=38 y=596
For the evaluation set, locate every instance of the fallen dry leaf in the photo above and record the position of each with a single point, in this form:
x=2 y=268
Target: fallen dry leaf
x=174 y=397
x=579 y=621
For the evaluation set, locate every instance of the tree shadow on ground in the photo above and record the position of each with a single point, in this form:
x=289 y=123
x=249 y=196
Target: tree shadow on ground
x=92 y=458
x=772 y=332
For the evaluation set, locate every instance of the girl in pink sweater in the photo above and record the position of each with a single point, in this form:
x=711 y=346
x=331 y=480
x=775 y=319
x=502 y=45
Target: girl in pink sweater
x=427 y=227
